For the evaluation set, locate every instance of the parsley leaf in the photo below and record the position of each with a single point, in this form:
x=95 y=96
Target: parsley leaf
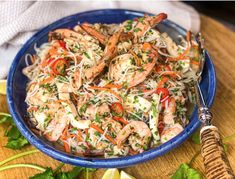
x=48 y=174
x=12 y=133
x=70 y=174
x=196 y=137
x=185 y=172
x=97 y=118
x=225 y=146
x=58 y=174
x=15 y=139
x=17 y=143
x=5 y=118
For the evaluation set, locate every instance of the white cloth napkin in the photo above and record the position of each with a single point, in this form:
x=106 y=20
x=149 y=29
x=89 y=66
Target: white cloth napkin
x=19 y=20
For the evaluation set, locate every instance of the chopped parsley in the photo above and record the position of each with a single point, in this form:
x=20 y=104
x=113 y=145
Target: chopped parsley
x=97 y=118
x=83 y=108
x=87 y=55
x=137 y=30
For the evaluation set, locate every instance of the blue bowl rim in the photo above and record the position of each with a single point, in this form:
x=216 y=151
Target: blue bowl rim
x=96 y=162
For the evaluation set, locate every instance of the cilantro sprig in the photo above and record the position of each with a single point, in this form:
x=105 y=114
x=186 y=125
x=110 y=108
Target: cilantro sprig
x=49 y=173
x=186 y=172
x=15 y=139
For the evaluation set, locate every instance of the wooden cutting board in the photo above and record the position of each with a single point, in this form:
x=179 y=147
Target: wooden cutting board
x=220 y=42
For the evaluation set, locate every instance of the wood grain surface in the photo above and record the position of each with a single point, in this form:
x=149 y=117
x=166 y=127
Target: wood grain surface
x=220 y=42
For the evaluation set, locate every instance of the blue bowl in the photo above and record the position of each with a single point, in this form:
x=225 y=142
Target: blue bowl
x=16 y=91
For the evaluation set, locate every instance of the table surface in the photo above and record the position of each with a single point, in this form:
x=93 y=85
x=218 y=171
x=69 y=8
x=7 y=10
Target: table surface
x=220 y=44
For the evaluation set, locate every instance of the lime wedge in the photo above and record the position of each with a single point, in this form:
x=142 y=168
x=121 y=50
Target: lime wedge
x=124 y=175
x=3 y=87
x=112 y=173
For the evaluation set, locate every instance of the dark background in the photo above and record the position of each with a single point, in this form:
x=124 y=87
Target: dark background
x=221 y=11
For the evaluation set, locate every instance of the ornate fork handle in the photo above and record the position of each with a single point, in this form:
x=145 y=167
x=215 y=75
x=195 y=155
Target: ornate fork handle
x=215 y=160
x=205 y=116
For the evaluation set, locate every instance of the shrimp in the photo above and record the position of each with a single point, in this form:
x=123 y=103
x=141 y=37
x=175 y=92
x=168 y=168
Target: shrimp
x=116 y=151
x=44 y=115
x=169 y=133
x=169 y=112
x=171 y=46
x=126 y=68
x=77 y=79
x=112 y=125
x=142 y=135
x=72 y=114
x=91 y=55
x=148 y=22
x=92 y=111
x=56 y=127
x=111 y=49
x=60 y=34
x=88 y=28
x=38 y=95
x=109 y=52
x=96 y=141
x=56 y=49
x=94 y=71
x=79 y=147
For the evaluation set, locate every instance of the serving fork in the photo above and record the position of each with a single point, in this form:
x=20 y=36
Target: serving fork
x=214 y=157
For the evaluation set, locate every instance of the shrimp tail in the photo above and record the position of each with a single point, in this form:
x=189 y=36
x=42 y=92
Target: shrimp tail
x=157 y=19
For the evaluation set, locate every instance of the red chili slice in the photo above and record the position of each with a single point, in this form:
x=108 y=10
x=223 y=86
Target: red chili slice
x=50 y=60
x=58 y=66
x=62 y=44
x=117 y=108
x=120 y=119
x=161 y=68
x=160 y=127
x=164 y=93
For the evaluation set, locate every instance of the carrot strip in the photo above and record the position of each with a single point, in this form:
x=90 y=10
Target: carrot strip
x=147 y=46
x=188 y=37
x=47 y=135
x=162 y=82
x=47 y=80
x=149 y=91
x=173 y=74
x=61 y=101
x=72 y=135
x=64 y=133
x=87 y=136
x=113 y=86
x=132 y=152
x=67 y=147
x=102 y=132
x=181 y=56
x=120 y=119
x=53 y=51
x=32 y=108
x=86 y=131
x=97 y=128
x=108 y=90
x=137 y=59
x=79 y=136
x=194 y=62
x=145 y=91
